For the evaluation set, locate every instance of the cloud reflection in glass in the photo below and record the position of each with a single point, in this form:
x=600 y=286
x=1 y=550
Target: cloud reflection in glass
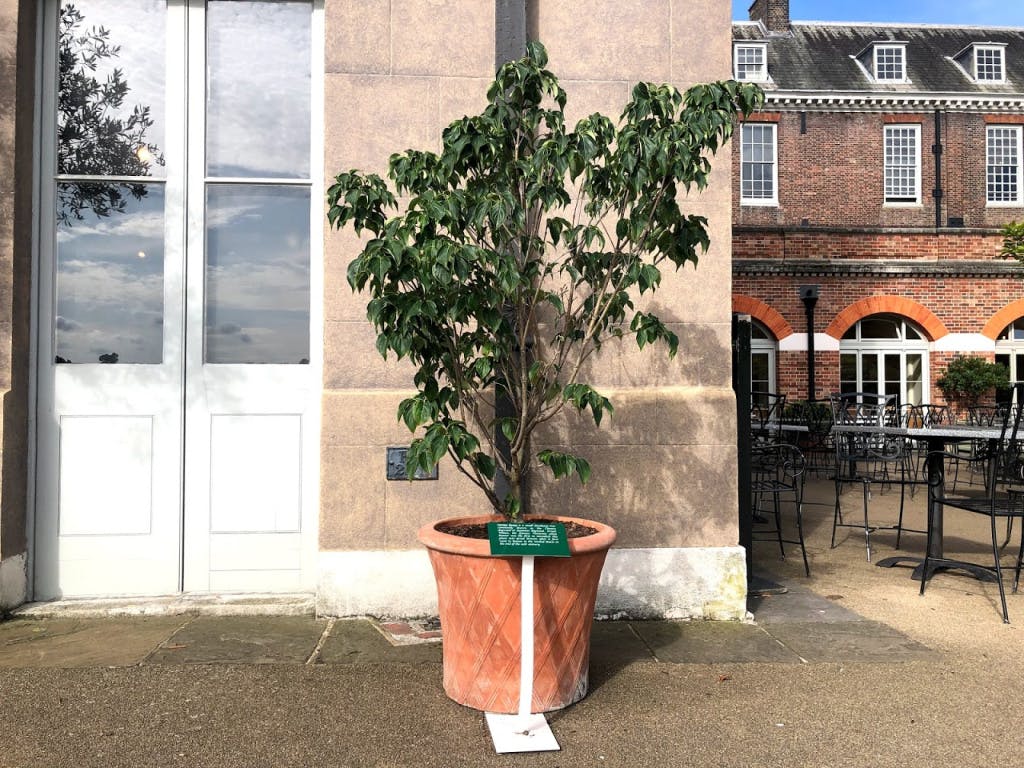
x=109 y=300
x=257 y=274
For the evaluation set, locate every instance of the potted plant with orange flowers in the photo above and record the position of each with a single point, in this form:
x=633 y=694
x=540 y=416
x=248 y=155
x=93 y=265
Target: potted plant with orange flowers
x=521 y=251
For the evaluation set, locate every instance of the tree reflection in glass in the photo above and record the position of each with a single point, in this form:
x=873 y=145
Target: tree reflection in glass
x=110 y=283
x=109 y=268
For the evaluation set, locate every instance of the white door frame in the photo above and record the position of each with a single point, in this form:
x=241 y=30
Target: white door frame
x=189 y=543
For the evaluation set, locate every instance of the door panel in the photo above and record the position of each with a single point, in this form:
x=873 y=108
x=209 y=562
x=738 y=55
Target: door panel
x=110 y=307
x=255 y=473
x=111 y=495
x=251 y=392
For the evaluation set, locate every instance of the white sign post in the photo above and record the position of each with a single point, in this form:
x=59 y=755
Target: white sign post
x=524 y=731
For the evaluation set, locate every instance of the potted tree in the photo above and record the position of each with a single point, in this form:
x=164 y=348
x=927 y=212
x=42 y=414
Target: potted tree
x=967 y=378
x=520 y=252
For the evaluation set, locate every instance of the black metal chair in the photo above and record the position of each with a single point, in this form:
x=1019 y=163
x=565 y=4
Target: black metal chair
x=870 y=458
x=1002 y=498
x=766 y=412
x=816 y=443
x=921 y=416
x=778 y=472
x=972 y=455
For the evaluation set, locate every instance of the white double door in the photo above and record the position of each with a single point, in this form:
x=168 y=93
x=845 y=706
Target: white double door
x=178 y=374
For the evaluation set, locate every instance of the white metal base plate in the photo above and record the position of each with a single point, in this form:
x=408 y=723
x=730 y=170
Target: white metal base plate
x=521 y=733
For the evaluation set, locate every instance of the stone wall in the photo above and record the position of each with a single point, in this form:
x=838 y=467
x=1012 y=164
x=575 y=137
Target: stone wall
x=17 y=77
x=664 y=468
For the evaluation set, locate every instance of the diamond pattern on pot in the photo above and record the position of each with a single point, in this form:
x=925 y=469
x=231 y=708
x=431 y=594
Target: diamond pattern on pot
x=479 y=607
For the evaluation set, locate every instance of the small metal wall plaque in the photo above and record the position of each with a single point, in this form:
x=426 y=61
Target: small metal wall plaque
x=396 y=466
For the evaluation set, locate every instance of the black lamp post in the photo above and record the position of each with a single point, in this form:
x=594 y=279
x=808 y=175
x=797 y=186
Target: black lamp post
x=809 y=296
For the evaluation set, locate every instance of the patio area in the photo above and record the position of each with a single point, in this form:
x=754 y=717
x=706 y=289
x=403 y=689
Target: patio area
x=957 y=614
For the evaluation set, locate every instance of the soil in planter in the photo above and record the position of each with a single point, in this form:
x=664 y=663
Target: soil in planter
x=479 y=530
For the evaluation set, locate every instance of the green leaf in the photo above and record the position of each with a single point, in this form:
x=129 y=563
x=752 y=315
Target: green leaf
x=565 y=464
x=508 y=426
x=485 y=464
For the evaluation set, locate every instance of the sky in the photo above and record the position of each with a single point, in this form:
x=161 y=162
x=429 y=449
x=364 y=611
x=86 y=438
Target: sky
x=994 y=13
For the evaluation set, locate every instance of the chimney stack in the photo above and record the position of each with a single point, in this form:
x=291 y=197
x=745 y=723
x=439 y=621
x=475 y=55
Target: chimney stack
x=774 y=14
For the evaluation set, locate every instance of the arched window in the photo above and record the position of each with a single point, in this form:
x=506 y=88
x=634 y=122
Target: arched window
x=1010 y=351
x=762 y=358
x=886 y=354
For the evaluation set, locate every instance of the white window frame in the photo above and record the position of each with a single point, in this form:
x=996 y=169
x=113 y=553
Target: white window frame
x=763 y=345
x=879 y=50
x=1010 y=350
x=760 y=75
x=773 y=200
x=1014 y=133
x=892 y=162
x=989 y=48
x=878 y=349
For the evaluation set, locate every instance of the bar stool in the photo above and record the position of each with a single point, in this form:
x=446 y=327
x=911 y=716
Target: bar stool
x=869 y=457
x=778 y=472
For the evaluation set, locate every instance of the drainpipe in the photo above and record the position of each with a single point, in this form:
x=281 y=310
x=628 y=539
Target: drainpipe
x=937 y=151
x=809 y=296
x=509 y=30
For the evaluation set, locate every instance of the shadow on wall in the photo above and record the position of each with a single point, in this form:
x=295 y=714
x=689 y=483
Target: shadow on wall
x=13 y=530
x=664 y=464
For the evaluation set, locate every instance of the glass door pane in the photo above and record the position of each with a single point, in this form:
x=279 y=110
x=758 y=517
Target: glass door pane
x=893 y=375
x=760 y=371
x=110 y=275
x=110 y=131
x=257 y=274
x=848 y=379
x=111 y=85
x=258 y=208
x=869 y=373
x=258 y=88
x=915 y=378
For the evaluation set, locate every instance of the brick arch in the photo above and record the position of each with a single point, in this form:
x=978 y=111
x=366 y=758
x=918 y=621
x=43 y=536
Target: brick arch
x=757 y=309
x=894 y=305
x=1002 y=318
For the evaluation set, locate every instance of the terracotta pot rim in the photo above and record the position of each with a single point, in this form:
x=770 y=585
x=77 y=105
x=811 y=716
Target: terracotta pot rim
x=432 y=538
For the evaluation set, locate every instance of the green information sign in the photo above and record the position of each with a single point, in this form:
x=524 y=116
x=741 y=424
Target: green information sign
x=540 y=539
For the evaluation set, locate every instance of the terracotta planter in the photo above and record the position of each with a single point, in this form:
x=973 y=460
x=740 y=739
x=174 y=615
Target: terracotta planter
x=478 y=598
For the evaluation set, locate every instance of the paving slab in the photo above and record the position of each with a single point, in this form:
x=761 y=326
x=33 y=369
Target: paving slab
x=83 y=642
x=356 y=641
x=799 y=604
x=712 y=642
x=614 y=644
x=242 y=640
x=849 y=642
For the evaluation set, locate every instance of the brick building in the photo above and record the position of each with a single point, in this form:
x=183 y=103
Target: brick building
x=876 y=178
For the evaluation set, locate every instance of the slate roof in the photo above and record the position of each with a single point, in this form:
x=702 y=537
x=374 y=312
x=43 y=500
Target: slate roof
x=817 y=56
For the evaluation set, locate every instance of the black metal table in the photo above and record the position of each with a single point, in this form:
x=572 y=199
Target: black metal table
x=937 y=438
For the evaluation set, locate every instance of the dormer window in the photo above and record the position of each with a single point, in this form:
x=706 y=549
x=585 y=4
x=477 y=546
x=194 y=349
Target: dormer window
x=884 y=61
x=988 y=64
x=983 y=63
x=890 y=63
x=750 y=62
